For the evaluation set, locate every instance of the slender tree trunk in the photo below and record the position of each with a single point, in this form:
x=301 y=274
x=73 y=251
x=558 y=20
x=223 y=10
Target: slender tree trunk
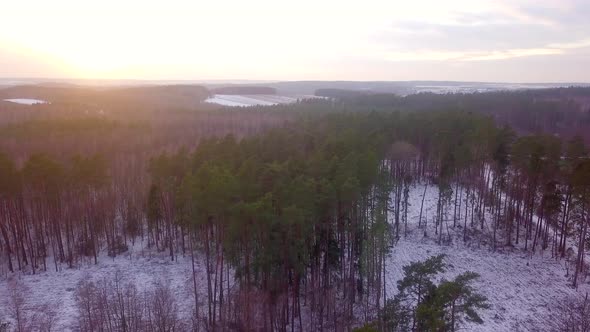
x=580 y=259
x=194 y=280
x=422 y=206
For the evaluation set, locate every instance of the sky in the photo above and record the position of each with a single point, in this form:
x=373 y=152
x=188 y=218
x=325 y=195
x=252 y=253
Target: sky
x=458 y=40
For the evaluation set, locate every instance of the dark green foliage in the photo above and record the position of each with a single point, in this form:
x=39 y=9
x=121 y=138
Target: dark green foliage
x=396 y=316
x=154 y=205
x=418 y=277
x=9 y=177
x=44 y=173
x=450 y=303
x=421 y=305
x=366 y=328
x=501 y=149
x=89 y=172
x=581 y=177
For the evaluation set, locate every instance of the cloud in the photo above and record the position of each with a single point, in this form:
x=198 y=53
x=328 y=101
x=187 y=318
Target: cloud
x=468 y=56
x=512 y=53
x=266 y=39
x=571 y=45
x=503 y=30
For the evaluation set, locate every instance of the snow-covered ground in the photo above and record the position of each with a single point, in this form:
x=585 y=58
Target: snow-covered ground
x=144 y=267
x=522 y=289
x=253 y=100
x=26 y=101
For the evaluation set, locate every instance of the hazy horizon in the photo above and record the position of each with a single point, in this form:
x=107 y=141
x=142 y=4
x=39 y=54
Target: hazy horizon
x=67 y=80
x=458 y=40
x=189 y=81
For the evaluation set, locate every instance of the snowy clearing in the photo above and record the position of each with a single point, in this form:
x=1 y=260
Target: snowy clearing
x=522 y=289
x=253 y=100
x=26 y=101
x=140 y=265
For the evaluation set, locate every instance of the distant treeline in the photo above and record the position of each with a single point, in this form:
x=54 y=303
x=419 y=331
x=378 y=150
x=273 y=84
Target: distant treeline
x=245 y=90
x=340 y=93
x=83 y=97
x=564 y=112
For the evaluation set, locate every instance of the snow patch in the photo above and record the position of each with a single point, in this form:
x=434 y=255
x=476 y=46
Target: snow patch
x=523 y=289
x=144 y=267
x=253 y=100
x=26 y=101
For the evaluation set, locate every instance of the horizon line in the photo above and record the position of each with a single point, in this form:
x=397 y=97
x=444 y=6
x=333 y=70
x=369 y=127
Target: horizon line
x=238 y=80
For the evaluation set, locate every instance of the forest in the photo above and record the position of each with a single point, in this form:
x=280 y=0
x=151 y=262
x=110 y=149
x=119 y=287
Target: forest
x=245 y=90
x=294 y=209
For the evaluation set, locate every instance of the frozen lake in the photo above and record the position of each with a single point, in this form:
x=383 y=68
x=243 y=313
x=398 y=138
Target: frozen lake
x=253 y=100
x=26 y=101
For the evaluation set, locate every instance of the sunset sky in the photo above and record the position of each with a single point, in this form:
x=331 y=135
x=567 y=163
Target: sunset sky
x=509 y=41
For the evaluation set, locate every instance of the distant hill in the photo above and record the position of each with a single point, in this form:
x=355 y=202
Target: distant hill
x=399 y=87
x=339 y=93
x=294 y=87
x=167 y=96
x=156 y=96
x=245 y=90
